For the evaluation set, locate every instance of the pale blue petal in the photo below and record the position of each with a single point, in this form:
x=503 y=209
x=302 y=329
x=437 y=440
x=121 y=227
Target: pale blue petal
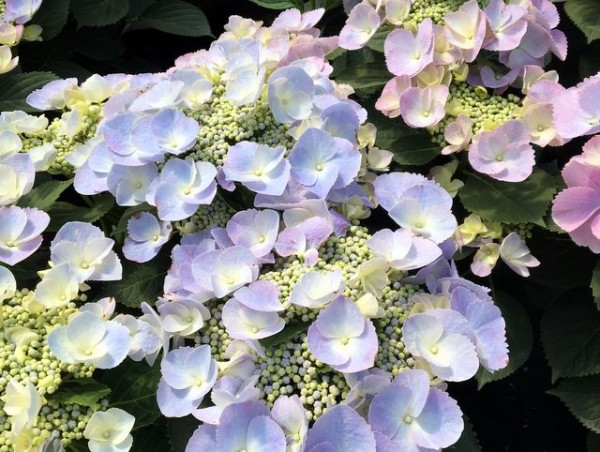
x=204 y=439
x=265 y=434
x=344 y=428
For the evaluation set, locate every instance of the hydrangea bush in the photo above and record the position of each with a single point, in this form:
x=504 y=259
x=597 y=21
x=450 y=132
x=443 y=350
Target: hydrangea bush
x=278 y=242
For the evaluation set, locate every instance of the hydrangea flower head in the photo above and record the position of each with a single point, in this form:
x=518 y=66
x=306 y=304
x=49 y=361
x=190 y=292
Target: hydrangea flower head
x=146 y=235
x=20 y=232
x=291 y=91
x=260 y=168
x=407 y=54
x=22 y=403
x=504 y=153
x=361 y=25
x=89 y=339
x=181 y=187
x=576 y=208
x=415 y=416
x=108 y=431
x=417 y=204
x=16 y=177
x=343 y=338
x=321 y=162
x=444 y=339
x=89 y=253
x=187 y=376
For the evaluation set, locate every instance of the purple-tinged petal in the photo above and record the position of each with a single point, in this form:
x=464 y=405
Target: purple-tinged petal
x=342 y=427
x=361 y=25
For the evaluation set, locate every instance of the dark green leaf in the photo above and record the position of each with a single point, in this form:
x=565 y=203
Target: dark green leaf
x=98 y=13
x=410 y=146
x=287 y=333
x=43 y=196
x=176 y=17
x=14 y=89
x=141 y=282
x=570 y=332
x=377 y=41
x=52 y=17
x=468 y=440
x=586 y=15
x=87 y=393
x=595 y=284
x=66 y=69
x=372 y=75
x=509 y=202
x=553 y=250
x=63 y=212
x=329 y=4
x=80 y=445
x=137 y=7
x=274 y=4
x=154 y=437
x=134 y=386
x=582 y=398
x=180 y=431
x=589 y=60
x=100 y=44
x=593 y=442
x=25 y=272
x=519 y=336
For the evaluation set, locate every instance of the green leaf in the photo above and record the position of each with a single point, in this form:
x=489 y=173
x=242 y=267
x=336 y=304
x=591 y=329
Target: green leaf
x=137 y=7
x=180 y=431
x=582 y=398
x=100 y=43
x=519 y=336
x=67 y=69
x=372 y=75
x=140 y=282
x=595 y=284
x=79 y=445
x=62 y=212
x=410 y=146
x=52 y=17
x=586 y=15
x=553 y=250
x=86 y=392
x=43 y=196
x=593 y=442
x=468 y=440
x=14 y=89
x=570 y=332
x=155 y=437
x=134 y=386
x=275 y=4
x=377 y=41
x=509 y=202
x=287 y=333
x=25 y=272
x=176 y=17
x=98 y=13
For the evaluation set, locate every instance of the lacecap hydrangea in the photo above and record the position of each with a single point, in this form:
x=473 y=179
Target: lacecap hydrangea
x=285 y=323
